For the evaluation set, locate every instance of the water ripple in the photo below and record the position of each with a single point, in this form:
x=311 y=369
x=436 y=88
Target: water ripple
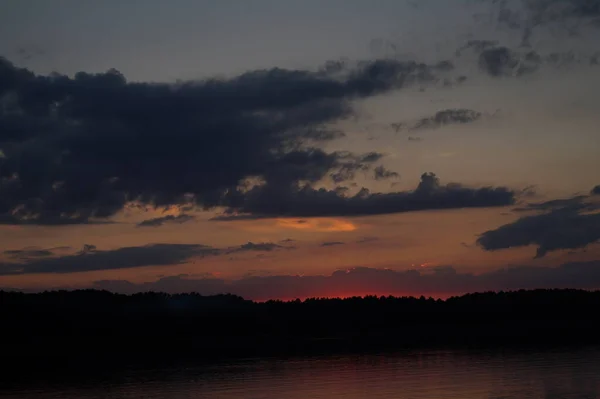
x=572 y=374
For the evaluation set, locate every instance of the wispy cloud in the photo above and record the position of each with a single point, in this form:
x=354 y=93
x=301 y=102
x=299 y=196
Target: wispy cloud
x=94 y=259
x=331 y=243
x=169 y=219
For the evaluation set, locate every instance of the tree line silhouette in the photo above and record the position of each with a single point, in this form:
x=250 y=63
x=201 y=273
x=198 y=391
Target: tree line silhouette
x=91 y=325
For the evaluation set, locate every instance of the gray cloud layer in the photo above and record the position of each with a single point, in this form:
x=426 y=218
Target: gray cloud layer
x=565 y=224
x=92 y=259
x=297 y=201
x=80 y=148
x=441 y=281
x=77 y=149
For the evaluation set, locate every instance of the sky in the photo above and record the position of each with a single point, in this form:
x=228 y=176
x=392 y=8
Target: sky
x=283 y=149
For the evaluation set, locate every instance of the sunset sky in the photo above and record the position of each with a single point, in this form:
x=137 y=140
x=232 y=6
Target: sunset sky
x=283 y=148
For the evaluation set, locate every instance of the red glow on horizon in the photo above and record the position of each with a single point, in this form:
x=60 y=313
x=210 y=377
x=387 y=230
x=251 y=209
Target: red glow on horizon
x=425 y=264
x=347 y=295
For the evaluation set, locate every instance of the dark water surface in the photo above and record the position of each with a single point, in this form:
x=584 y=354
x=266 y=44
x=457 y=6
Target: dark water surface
x=558 y=374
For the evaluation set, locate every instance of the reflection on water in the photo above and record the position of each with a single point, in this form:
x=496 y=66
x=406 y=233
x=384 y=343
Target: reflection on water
x=565 y=374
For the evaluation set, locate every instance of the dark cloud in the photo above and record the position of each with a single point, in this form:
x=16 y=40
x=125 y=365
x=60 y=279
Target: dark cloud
x=75 y=150
x=34 y=253
x=332 y=243
x=415 y=139
x=502 y=61
x=121 y=258
x=568 y=227
x=575 y=203
x=381 y=173
x=596 y=190
x=261 y=247
x=321 y=134
x=563 y=17
x=92 y=259
x=346 y=168
x=366 y=239
x=561 y=59
x=28 y=253
x=87 y=248
x=398 y=126
x=306 y=201
x=361 y=281
x=498 y=61
x=371 y=157
x=538 y=21
x=448 y=117
x=230 y=217
x=529 y=191
x=157 y=222
x=547 y=11
x=440 y=119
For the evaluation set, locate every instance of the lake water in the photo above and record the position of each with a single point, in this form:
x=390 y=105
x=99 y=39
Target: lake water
x=564 y=374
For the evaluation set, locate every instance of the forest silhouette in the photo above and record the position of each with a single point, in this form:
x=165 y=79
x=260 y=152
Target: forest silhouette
x=100 y=326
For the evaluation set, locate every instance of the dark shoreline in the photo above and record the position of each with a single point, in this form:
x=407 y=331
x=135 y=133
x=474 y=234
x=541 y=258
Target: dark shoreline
x=89 y=329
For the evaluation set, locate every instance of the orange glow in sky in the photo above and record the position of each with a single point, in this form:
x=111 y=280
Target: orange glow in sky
x=317 y=224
